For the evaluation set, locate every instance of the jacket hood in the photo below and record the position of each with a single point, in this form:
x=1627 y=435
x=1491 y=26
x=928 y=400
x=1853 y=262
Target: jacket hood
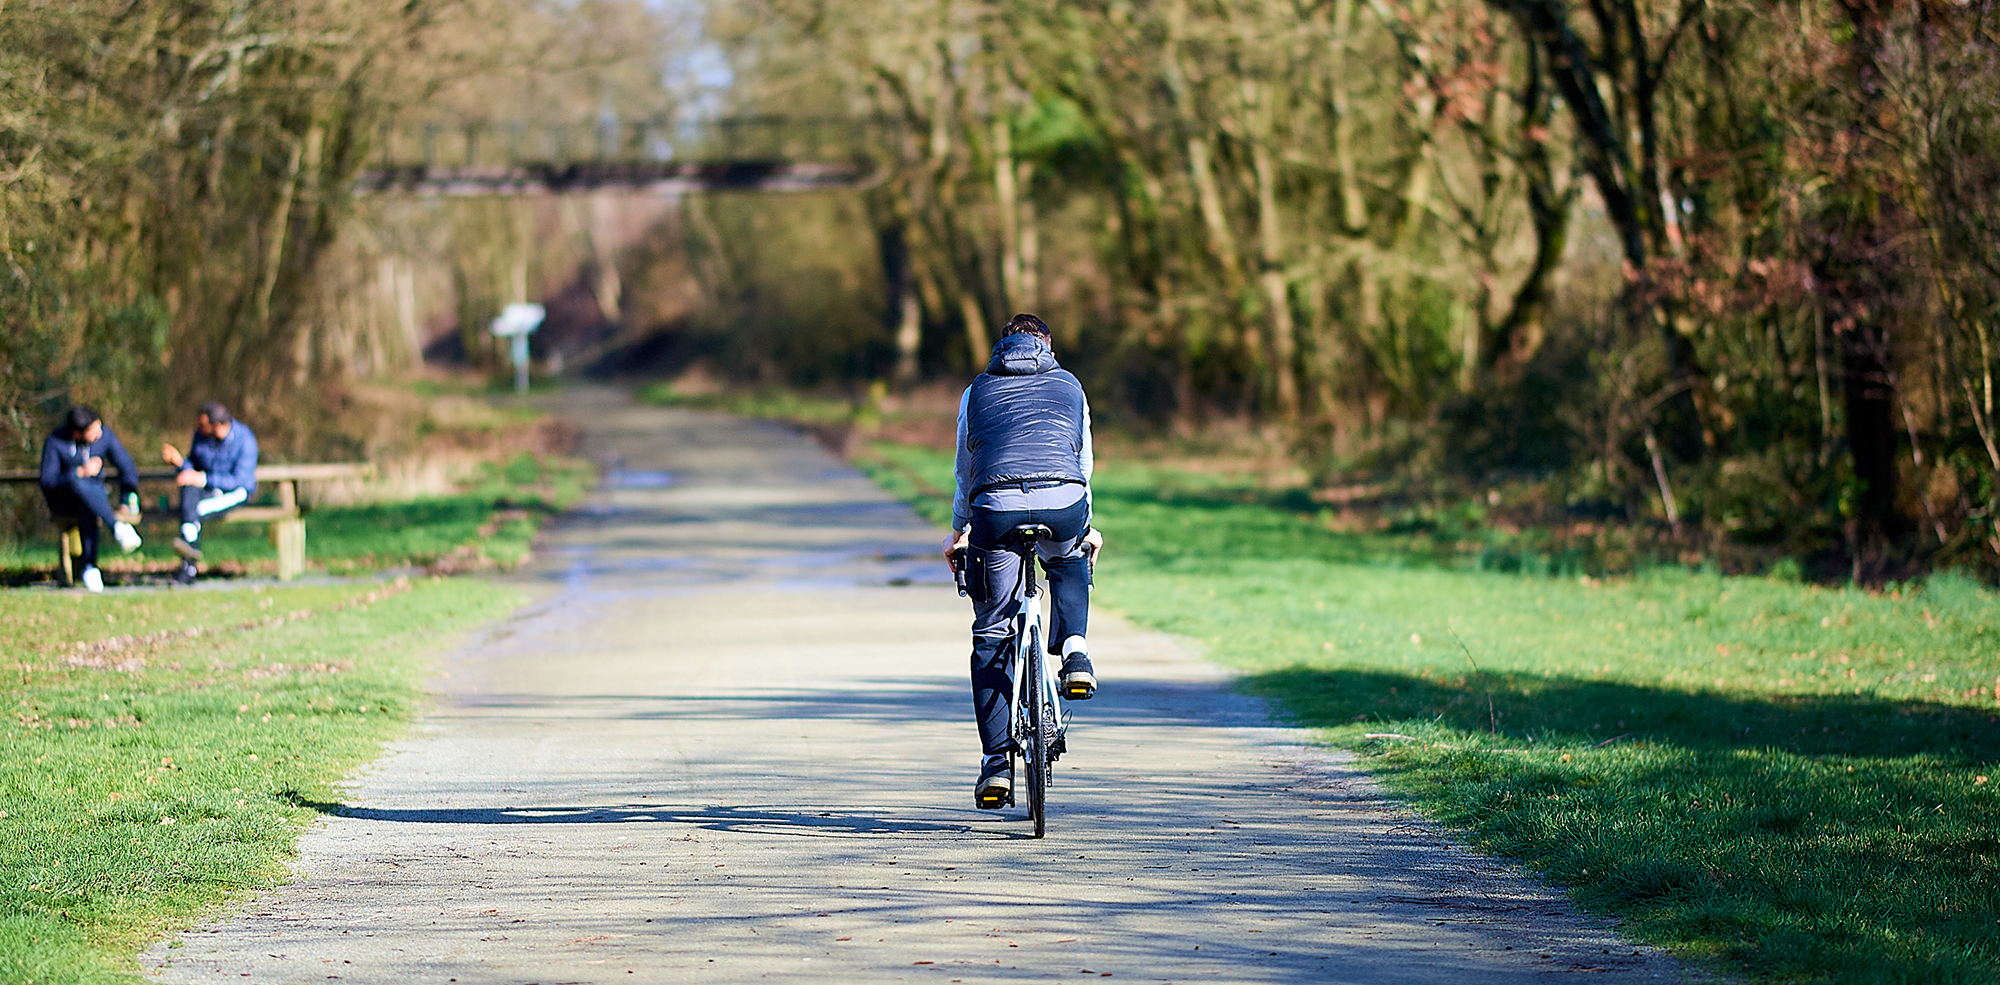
x=1022 y=355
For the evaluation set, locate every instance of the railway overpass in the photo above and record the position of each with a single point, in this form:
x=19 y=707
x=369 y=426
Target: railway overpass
x=644 y=156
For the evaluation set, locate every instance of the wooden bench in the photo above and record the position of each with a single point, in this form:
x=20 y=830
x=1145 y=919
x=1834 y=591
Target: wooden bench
x=288 y=526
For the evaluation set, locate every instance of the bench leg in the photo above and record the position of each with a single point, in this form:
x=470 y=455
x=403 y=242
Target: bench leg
x=289 y=536
x=69 y=543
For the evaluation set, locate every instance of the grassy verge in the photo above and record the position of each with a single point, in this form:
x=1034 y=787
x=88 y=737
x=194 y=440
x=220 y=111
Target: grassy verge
x=775 y=404
x=491 y=522
x=163 y=765
x=1794 y=781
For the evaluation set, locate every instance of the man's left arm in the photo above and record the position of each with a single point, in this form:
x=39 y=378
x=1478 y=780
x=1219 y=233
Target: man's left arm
x=961 y=469
x=54 y=472
x=1086 y=459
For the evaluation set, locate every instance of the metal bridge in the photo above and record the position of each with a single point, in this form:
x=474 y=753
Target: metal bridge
x=644 y=156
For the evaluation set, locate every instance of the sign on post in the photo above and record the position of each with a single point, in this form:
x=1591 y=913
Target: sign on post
x=516 y=322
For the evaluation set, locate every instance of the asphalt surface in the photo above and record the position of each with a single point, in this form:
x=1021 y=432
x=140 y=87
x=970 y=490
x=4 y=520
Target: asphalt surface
x=731 y=740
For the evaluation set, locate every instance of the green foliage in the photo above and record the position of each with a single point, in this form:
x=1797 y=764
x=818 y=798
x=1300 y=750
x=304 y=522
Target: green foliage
x=793 y=290
x=142 y=783
x=921 y=477
x=1362 y=227
x=1791 y=780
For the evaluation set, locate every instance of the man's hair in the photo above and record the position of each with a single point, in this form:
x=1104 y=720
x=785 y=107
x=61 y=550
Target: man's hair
x=215 y=412
x=1025 y=324
x=79 y=419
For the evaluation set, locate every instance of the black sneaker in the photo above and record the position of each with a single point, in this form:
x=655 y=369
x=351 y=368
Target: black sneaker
x=187 y=551
x=185 y=574
x=995 y=788
x=1078 y=682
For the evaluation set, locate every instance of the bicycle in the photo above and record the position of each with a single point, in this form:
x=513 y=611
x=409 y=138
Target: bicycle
x=1038 y=722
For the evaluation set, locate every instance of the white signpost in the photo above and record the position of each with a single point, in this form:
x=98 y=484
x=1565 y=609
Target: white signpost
x=518 y=321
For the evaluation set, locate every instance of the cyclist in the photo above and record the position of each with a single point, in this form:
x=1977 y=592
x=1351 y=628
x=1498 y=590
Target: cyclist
x=1023 y=457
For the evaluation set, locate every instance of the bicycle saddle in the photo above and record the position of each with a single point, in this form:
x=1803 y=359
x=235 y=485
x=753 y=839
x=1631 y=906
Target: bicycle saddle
x=1028 y=533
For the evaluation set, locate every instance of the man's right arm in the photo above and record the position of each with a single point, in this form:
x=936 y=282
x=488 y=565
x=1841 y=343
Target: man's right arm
x=53 y=472
x=961 y=493
x=196 y=459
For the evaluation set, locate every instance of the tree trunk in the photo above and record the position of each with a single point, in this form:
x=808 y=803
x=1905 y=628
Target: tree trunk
x=1871 y=432
x=1030 y=254
x=1859 y=275
x=1007 y=202
x=1277 y=298
x=978 y=342
x=903 y=309
x=1353 y=209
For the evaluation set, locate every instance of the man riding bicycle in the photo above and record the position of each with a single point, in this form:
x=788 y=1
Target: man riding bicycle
x=1024 y=457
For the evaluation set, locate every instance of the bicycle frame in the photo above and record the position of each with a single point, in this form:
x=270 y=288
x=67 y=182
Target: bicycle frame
x=1031 y=623
x=1028 y=666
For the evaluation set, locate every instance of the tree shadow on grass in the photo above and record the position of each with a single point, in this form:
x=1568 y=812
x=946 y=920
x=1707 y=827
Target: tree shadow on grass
x=1809 y=838
x=1568 y=709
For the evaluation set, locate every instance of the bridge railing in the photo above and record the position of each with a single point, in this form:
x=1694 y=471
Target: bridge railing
x=505 y=143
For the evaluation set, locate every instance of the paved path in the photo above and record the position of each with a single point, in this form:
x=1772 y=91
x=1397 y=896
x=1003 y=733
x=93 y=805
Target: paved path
x=732 y=741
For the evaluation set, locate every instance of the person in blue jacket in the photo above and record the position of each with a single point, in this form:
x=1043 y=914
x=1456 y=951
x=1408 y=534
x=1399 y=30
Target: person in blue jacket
x=72 y=480
x=218 y=473
x=1024 y=456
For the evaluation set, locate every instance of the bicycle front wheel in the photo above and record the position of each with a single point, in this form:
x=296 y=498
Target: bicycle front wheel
x=1035 y=750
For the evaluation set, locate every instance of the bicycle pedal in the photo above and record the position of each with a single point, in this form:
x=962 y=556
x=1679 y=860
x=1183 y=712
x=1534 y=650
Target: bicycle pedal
x=1078 y=691
x=994 y=793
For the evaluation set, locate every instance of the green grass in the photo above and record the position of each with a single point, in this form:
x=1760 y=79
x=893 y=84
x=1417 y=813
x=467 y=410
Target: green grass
x=775 y=404
x=142 y=782
x=491 y=523
x=1793 y=781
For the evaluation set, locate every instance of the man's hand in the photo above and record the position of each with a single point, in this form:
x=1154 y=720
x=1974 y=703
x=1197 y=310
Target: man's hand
x=171 y=455
x=191 y=477
x=1093 y=544
x=91 y=466
x=954 y=543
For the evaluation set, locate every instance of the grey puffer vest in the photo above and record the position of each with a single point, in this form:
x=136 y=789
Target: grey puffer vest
x=1024 y=418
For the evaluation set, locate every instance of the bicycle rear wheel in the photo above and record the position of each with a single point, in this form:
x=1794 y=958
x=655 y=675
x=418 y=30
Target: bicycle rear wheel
x=1035 y=749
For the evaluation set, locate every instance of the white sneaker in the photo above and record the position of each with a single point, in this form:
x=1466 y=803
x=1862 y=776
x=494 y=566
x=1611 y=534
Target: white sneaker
x=128 y=538
x=93 y=581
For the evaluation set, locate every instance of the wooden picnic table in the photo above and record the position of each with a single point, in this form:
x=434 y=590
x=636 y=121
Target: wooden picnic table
x=288 y=527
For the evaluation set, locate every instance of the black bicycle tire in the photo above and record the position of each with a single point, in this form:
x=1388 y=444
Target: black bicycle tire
x=1036 y=754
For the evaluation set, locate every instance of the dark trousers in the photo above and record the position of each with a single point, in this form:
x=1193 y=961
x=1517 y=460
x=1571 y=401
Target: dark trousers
x=1069 y=592
x=82 y=502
